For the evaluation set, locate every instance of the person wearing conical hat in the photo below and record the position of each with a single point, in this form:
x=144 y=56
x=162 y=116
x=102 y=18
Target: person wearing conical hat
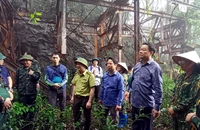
x=123 y=70
x=26 y=80
x=83 y=87
x=187 y=89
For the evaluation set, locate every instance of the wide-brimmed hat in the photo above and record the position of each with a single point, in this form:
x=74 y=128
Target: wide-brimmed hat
x=26 y=57
x=192 y=56
x=2 y=56
x=123 y=64
x=82 y=61
x=97 y=59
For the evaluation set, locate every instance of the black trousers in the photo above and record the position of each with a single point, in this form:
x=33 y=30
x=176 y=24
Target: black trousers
x=27 y=100
x=142 y=118
x=96 y=93
x=80 y=102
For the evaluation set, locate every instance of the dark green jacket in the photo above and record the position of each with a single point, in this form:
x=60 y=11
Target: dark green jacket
x=25 y=83
x=186 y=94
x=196 y=120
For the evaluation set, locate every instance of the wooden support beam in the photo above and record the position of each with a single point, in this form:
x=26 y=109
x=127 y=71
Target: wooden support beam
x=114 y=28
x=95 y=46
x=109 y=46
x=129 y=8
x=107 y=14
x=120 y=36
x=137 y=39
x=102 y=38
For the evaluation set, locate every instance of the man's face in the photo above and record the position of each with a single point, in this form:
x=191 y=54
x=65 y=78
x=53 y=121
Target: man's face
x=110 y=65
x=80 y=67
x=27 y=63
x=55 y=59
x=144 y=52
x=1 y=62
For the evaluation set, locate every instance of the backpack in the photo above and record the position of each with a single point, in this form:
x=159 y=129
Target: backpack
x=91 y=67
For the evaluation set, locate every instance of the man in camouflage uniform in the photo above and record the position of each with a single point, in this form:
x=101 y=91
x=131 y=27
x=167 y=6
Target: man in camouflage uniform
x=186 y=91
x=194 y=117
x=26 y=80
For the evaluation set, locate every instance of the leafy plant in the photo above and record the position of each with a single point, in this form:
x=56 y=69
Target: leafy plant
x=35 y=17
x=45 y=116
x=164 y=119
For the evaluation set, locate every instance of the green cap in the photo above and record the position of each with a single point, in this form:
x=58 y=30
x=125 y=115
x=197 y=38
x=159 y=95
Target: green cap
x=2 y=56
x=82 y=61
x=26 y=57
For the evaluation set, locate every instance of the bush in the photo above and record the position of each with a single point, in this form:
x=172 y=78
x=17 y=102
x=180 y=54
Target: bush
x=44 y=117
x=164 y=120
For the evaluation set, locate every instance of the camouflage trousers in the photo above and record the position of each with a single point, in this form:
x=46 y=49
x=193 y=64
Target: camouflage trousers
x=180 y=124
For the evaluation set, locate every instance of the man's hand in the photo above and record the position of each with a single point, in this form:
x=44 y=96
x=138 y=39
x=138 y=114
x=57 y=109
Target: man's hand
x=7 y=103
x=126 y=96
x=31 y=72
x=189 y=116
x=72 y=100
x=88 y=105
x=171 y=111
x=118 y=108
x=155 y=113
x=56 y=86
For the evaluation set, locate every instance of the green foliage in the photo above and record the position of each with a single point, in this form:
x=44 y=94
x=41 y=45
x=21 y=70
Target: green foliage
x=45 y=116
x=164 y=120
x=35 y=17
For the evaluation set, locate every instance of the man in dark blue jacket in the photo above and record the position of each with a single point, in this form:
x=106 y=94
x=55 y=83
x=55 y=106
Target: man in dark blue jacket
x=56 y=77
x=112 y=92
x=146 y=88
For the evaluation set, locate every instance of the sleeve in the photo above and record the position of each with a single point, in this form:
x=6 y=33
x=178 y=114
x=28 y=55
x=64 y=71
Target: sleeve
x=74 y=80
x=129 y=86
x=101 y=73
x=17 y=79
x=120 y=90
x=157 y=86
x=36 y=75
x=47 y=79
x=92 y=81
x=189 y=100
x=102 y=89
x=196 y=122
x=65 y=77
x=7 y=73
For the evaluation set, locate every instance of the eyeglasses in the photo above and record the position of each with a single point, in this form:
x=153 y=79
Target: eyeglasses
x=181 y=62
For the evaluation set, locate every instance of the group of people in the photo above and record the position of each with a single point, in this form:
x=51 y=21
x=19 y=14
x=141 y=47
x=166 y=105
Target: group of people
x=141 y=85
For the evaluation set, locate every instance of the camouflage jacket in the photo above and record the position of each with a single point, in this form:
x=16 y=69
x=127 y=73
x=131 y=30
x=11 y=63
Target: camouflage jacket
x=185 y=97
x=25 y=83
x=196 y=120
